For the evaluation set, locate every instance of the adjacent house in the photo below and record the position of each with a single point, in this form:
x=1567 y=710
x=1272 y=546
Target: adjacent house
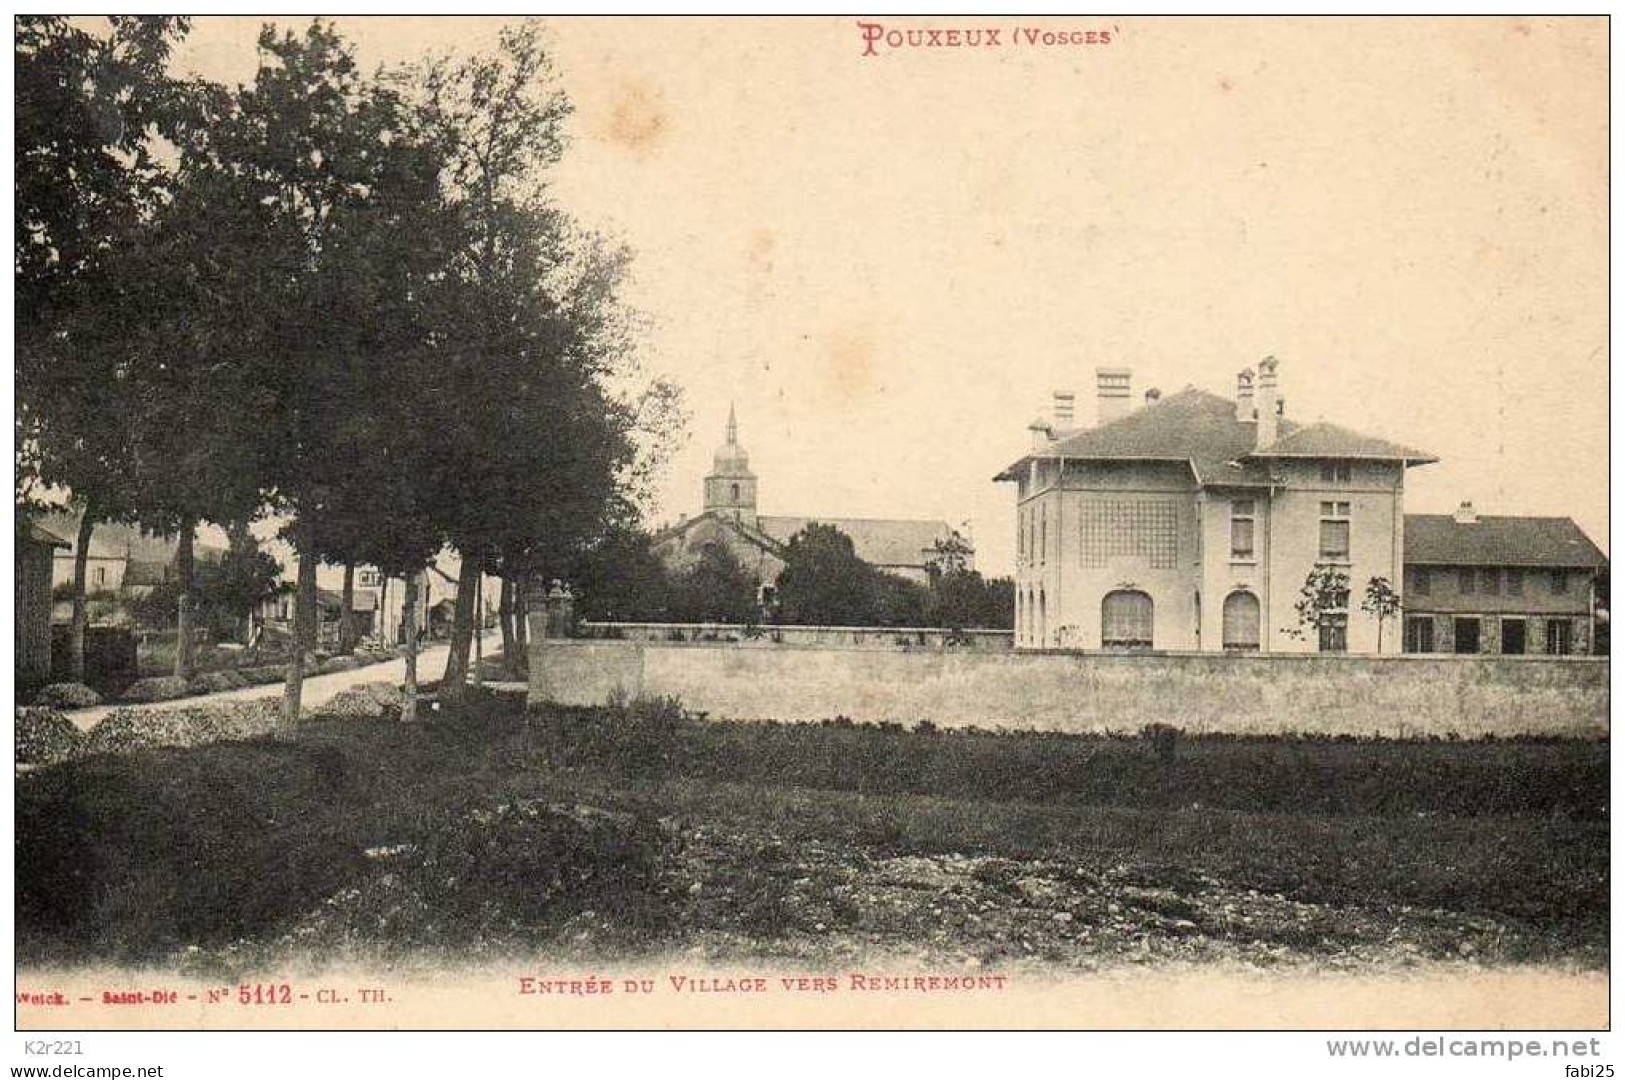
x=1191 y=522
x=36 y=548
x=907 y=547
x=1507 y=585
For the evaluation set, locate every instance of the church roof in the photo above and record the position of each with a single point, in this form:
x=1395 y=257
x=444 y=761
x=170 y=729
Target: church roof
x=877 y=541
x=1200 y=428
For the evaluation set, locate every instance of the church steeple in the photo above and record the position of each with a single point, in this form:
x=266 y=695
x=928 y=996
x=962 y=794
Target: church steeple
x=731 y=487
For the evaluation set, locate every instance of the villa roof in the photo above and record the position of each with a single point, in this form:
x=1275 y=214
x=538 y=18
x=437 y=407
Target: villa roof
x=1441 y=540
x=1201 y=429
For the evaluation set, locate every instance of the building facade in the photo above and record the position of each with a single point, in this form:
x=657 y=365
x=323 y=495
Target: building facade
x=1499 y=585
x=1192 y=522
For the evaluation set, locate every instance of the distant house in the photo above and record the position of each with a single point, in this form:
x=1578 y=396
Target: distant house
x=36 y=547
x=1508 y=585
x=904 y=546
x=123 y=562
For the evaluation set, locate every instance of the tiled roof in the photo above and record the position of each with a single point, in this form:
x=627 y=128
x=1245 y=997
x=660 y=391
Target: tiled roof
x=1201 y=428
x=1439 y=540
x=1192 y=426
x=110 y=540
x=41 y=535
x=1323 y=440
x=907 y=542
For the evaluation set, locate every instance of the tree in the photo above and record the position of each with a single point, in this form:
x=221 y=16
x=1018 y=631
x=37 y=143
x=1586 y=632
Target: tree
x=716 y=589
x=346 y=241
x=823 y=582
x=1322 y=602
x=86 y=107
x=963 y=599
x=1381 y=602
x=538 y=449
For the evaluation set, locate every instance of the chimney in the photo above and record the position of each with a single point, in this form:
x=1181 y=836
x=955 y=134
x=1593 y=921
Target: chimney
x=1267 y=412
x=1112 y=392
x=1244 y=396
x=1043 y=434
x=1065 y=410
x=1465 y=514
x=1152 y=396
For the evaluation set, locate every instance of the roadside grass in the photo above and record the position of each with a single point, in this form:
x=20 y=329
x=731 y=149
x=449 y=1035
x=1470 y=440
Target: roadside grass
x=484 y=826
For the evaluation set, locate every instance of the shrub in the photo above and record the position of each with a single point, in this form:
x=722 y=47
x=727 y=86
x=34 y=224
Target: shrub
x=45 y=737
x=260 y=676
x=67 y=695
x=124 y=730
x=526 y=863
x=643 y=738
x=212 y=682
x=337 y=663
x=371 y=701
x=162 y=688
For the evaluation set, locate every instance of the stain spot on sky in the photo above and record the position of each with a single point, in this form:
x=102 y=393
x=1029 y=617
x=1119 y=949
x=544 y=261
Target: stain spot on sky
x=760 y=249
x=849 y=363
x=637 y=118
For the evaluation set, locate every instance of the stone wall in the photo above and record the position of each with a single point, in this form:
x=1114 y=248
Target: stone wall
x=1243 y=694
x=875 y=637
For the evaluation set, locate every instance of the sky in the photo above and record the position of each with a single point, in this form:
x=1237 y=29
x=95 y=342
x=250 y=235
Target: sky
x=889 y=262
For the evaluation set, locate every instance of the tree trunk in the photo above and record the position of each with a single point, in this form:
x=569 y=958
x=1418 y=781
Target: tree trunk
x=186 y=578
x=455 y=680
x=237 y=539
x=81 y=612
x=521 y=627
x=304 y=622
x=479 y=630
x=510 y=641
x=347 y=618
x=379 y=626
x=409 y=625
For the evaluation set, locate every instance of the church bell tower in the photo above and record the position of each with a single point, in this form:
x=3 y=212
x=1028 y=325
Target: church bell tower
x=731 y=488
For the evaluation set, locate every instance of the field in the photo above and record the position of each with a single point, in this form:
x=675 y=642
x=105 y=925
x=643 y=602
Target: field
x=633 y=830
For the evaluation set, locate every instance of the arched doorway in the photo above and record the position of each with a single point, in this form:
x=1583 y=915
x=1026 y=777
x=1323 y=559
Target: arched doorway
x=1241 y=622
x=1126 y=620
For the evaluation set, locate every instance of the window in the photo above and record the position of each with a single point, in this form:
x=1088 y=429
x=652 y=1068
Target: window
x=736 y=493
x=1464 y=581
x=1043 y=537
x=1514 y=581
x=1334 y=472
x=1334 y=633
x=1512 y=637
x=1467 y=635
x=1241 y=622
x=1334 y=531
x=1141 y=529
x=1042 y=628
x=1241 y=528
x=1559 y=637
x=1126 y=620
x=1421 y=581
x=1489 y=580
x=1419 y=634
x=101 y=576
x=1560 y=583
